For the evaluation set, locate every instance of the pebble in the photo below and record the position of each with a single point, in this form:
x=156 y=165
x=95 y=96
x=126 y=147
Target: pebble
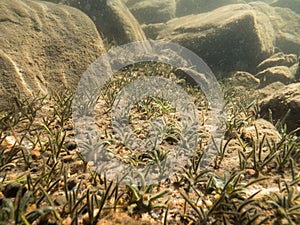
x=71 y=184
x=35 y=154
x=70 y=145
x=10 y=141
x=60 y=200
x=12 y=189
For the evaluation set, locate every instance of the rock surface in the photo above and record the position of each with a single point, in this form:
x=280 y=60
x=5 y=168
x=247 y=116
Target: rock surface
x=297 y=71
x=237 y=36
x=233 y=37
x=154 y=11
x=275 y=74
x=264 y=128
x=11 y=190
x=43 y=46
x=286 y=25
x=112 y=18
x=245 y=79
x=188 y=7
x=278 y=59
x=269 y=89
x=284 y=100
x=152 y=30
x=291 y=4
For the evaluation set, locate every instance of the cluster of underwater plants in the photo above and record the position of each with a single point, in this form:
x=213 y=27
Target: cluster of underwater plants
x=46 y=179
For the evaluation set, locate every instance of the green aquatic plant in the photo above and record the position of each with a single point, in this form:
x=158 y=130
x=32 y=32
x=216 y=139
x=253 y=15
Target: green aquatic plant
x=141 y=197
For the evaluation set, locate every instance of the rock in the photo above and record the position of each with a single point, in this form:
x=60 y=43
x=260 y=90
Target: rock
x=86 y=217
x=297 y=70
x=60 y=199
x=191 y=77
x=70 y=145
x=35 y=154
x=265 y=1
x=188 y=7
x=291 y=4
x=121 y=218
x=71 y=184
x=112 y=18
x=286 y=25
x=242 y=78
x=122 y=17
x=233 y=37
x=154 y=11
x=11 y=190
x=263 y=127
x=278 y=59
x=43 y=46
x=152 y=30
x=269 y=89
x=284 y=100
x=273 y=74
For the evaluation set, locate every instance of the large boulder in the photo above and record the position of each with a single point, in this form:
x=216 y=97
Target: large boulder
x=152 y=11
x=43 y=46
x=188 y=7
x=113 y=19
x=233 y=37
x=265 y=1
x=284 y=100
x=286 y=25
x=291 y=4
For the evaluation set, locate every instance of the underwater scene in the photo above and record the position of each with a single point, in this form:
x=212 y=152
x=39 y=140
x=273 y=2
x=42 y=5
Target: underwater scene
x=144 y=112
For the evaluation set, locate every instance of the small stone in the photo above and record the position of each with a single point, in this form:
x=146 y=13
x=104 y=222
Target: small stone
x=12 y=189
x=35 y=154
x=71 y=184
x=251 y=172
x=217 y=196
x=208 y=203
x=68 y=159
x=10 y=141
x=67 y=221
x=70 y=145
x=86 y=217
x=60 y=200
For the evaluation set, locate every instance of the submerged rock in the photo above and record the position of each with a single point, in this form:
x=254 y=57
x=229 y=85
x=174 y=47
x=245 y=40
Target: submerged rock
x=258 y=129
x=286 y=25
x=278 y=59
x=283 y=101
x=112 y=18
x=188 y=7
x=11 y=189
x=269 y=89
x=233 y=37
x=297 y=69
x=237 y=36
x=43 y=46
x=154 y=11
x=275 y=74
x=242 y=78
x=152 y=30
x=291 y=4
